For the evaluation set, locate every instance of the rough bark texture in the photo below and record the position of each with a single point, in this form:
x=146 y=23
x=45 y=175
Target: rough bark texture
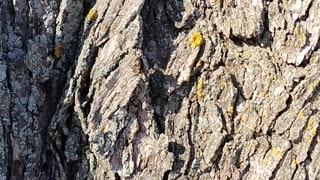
x=114 y=89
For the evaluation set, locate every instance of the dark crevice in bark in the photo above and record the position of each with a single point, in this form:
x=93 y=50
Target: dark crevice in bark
x=240 y=41
x=306 y=15
x=157 y=47
x=266 y=38
x=116 y=176
x=191 y=145
x=7 y=130
x=166 y=175
x=245 y=172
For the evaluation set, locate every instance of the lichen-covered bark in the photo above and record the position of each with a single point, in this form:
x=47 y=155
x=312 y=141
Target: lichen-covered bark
x=114 y=89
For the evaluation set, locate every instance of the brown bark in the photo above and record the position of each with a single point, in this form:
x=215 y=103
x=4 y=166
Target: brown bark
x=116 y=89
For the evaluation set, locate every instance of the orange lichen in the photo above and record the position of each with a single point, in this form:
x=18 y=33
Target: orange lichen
x=196 y=39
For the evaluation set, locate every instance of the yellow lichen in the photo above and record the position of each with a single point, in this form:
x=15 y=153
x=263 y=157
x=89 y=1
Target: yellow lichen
x=230 y=84
x=223 y=84
x=303 y=39
x=300 y=34
x=230 y=111
x=92 y=14
x=247 y=54
x=309 y=139
x=203 y=167
x=264 y=113
x=313 y=132
x=196 y=39
x=310 y=124
x=265 y=162
x=294 y=163
x=57 y=51
x=200 y=84
x=262 y=94
x=104 y=28
x=219 y=3
x=312 y=86
x=300 y=115
x=278 y=152
x=200 y=153
x=297 y=30
x=199 y=64
x=238 y=55
x=200 y=95
x=103 y=127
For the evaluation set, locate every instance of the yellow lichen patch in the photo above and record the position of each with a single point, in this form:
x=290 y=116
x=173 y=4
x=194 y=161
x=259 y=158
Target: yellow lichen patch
x=238 y=54
x=200 y=95
x=241 y=162
x=265 y=162
x=312 y=86
x=219 y=3
x=262 y=94
x=297 y=30
x=294 y=163
x=309 y=139
x=264 y=113
x=301 y=115
x=199 y=64
x=230 y=84
x=230 y=111
x=274 y=77
x=223 y=84
x=247 y=54
x=310 y=124
x=203 y=167
x=57 y=51
x=200 y=84
x=313 y=132
x=103 y=28
x=92 y=14
x=200 y=153
x=103 y=127
x=277 y=152
x=196 y=39
x=303 y=39
x=300 y=34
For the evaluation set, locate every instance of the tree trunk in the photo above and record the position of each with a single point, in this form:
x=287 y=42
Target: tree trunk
x=159 y=89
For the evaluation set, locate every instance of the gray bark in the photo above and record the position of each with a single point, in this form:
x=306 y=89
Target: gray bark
x=115 y=89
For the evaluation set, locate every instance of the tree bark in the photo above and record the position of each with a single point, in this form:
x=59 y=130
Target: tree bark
x=166 y=89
